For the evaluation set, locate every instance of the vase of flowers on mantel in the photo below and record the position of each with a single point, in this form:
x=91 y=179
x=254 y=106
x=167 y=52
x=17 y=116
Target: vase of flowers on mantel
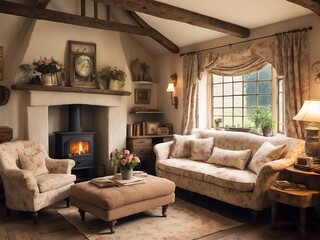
x=48 y=69
x=126 y=162
x=113 y=78
x=41 y=72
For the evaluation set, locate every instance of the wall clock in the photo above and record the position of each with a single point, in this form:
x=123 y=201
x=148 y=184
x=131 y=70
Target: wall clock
x=82 y=64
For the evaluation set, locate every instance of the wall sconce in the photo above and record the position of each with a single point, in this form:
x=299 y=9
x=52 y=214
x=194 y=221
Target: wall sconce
x=170 y=89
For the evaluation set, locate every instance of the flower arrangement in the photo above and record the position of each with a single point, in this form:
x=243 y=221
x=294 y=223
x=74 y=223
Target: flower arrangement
x=107 y=73
x=47 y=66
x=125 y=159
x=217 y=122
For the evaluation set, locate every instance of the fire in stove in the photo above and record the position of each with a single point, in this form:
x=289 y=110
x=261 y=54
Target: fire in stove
x=79 y=148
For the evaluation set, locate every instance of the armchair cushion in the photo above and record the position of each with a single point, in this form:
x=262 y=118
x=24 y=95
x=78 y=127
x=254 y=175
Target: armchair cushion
x=48 y=182
x=34 y=163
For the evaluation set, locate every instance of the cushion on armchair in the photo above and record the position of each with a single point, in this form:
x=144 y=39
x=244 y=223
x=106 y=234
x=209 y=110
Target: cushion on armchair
x=34 y=163
x=230 y=158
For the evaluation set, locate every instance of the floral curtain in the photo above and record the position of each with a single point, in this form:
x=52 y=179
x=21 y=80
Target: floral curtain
x=191 y=73
x=288 y=54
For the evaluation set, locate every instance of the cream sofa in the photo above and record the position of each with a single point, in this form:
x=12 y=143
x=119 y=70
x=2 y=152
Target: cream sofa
x=227 y=181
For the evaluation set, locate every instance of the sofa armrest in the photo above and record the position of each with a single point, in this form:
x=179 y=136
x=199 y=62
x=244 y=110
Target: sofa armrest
x=19 y=178
x=269 y=172
x=60 y=165
x=162 y=150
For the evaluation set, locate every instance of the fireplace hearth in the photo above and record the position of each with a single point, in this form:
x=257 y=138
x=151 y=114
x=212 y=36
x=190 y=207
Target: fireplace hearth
x=76 y=144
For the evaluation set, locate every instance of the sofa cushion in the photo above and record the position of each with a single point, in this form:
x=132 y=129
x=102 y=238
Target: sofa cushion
x=201 y=149
x=230 y=158
x=49 y=182
x=266 y=153
x=181 y=146
x=34 y=163
x=241 y=180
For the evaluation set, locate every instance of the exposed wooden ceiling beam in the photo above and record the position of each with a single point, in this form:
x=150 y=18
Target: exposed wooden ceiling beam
x=55 y=16
x=42 y=3
x=157 y=36
x=166 y=11
x=313 y=5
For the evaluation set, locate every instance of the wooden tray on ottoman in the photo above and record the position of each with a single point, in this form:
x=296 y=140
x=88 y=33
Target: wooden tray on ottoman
x=112 y=203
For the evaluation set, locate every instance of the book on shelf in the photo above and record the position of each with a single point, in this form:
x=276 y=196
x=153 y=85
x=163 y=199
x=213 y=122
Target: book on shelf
x=286 y=185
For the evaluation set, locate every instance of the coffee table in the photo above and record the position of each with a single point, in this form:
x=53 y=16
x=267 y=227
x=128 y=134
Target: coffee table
x=112 y=203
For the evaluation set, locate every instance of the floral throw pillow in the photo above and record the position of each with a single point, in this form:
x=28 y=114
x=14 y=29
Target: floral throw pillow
x=230 y=158
x=266 y=153
x=181 y=147
x=34 y=163
x=201 y=149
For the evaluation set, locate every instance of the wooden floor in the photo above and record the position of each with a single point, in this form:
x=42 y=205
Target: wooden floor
x=52 y=226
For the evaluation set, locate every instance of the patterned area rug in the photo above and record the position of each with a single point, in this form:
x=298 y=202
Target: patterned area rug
x=184 y=221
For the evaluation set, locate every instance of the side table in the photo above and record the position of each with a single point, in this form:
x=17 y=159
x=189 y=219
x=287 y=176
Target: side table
x=302 y=198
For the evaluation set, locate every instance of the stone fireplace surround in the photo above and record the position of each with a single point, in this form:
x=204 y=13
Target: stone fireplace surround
x=111 y=119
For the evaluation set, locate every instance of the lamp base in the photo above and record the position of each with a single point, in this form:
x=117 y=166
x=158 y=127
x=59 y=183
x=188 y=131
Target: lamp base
x=312 y=143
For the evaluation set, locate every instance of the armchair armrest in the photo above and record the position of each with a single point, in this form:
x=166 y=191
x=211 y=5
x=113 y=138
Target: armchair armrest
x=18 y=178
x=162 y=150
x=60 y=165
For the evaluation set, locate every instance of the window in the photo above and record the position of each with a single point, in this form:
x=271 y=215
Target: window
x=234 y=97
x=280 y=105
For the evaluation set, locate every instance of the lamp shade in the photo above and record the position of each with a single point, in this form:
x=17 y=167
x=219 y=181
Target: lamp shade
x=310 y=111
x=170 y=87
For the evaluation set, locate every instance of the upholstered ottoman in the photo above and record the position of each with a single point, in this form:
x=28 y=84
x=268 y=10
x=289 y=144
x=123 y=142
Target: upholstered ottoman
x=112 y=203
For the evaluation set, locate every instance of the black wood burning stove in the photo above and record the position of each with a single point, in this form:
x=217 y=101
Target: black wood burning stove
x=76 y=144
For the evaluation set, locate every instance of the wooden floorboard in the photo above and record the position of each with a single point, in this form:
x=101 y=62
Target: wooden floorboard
x=52 y=226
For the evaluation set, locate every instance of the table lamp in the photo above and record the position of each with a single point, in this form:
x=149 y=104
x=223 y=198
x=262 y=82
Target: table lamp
x=310 y=112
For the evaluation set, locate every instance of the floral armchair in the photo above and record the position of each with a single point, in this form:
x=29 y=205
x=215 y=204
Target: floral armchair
x=31 y=179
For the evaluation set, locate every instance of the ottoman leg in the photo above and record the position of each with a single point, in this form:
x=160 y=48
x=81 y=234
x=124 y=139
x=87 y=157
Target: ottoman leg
x=82 y=214
x=164 y=210
x=112 y=225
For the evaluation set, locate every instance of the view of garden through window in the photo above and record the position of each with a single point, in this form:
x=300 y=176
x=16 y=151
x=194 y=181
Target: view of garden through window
x=235 y=97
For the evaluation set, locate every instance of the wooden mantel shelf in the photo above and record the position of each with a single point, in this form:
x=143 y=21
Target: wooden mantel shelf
x=68 y=89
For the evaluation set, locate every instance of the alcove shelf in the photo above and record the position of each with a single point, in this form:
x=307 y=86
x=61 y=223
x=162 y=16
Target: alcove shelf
x=143 y=82
x=68 y=89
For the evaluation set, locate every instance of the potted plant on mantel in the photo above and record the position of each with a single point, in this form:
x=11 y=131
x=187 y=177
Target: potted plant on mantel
x=262 y=118
x=112 y=77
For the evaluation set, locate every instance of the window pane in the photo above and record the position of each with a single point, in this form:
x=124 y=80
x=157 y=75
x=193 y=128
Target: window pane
x=238 y=121
x=248 y=111
x=227 y=121
x=237 y=111
x=227 y=79
x=264 y=101
x=217 y=102
x=237 y=78
x=227 y=111
x=237 y=88
x=250 y=101
x=250 y=77
x=217 y=90
x=280 y=85
x=264 y=87
x=248 y=122
x=237 y=101
x=265 y=73
x=228 y=89
x=217 y=111
x=227 y=101
x=217 y=79
x=250 y=88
